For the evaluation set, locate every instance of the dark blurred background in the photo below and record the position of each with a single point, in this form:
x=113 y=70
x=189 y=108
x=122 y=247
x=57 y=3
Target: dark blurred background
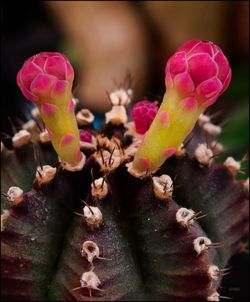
x=106 y=39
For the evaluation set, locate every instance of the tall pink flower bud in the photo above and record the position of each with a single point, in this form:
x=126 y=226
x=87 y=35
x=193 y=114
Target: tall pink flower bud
x=198 y=69
x=196 y=75
x=46 y=79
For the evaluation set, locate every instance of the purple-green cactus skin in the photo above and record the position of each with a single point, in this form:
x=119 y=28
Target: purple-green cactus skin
x=117 y=229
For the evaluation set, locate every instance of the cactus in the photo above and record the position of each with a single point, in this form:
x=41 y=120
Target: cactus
x=137 y=210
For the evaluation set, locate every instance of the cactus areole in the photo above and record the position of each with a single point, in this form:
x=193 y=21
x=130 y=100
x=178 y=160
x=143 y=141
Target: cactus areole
x=195 y=76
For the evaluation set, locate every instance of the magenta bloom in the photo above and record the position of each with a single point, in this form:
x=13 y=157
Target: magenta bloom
x=143 y=114
x=198 y=69
x=45 y=76
x=85 y=136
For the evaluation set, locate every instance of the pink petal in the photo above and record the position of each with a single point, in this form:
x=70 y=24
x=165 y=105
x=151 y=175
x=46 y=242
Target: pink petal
x=177 y=63
x=184 y=83
x=215 y=48
x=209 y=89
x=40 y=60
x=143 y=110
x=188 y=45
x=223 y=66
x=59 y=88
x=28 y=73
x=55 y=66
x=204 y=47
x=69 y=71
x=201 y=68
x=42 y=85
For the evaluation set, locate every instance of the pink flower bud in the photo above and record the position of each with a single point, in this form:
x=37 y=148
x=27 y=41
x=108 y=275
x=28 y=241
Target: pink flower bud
x=143 y=114
x=47 y=79
x=45 y=76
x=85 y=136
x=198 y=69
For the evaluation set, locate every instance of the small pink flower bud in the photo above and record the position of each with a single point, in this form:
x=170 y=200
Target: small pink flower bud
x=45 y=76
x=85 y=136
x=198 y=69
x=143 y=114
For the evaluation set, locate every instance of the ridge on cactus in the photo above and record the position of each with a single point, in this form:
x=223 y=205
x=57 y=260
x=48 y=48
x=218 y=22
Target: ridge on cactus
x=46 y=79
x=196 y=75
x=114 y=220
